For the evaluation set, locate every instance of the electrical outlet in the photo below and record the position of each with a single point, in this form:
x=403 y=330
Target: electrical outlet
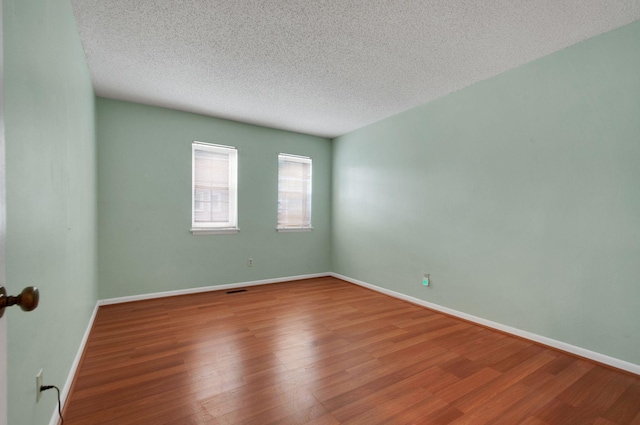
x=425 y=279
x=250 y=262
x=38 y=385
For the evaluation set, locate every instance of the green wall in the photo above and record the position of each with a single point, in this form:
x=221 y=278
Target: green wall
x=144 y=175
x=51 y=201
x=520 y=195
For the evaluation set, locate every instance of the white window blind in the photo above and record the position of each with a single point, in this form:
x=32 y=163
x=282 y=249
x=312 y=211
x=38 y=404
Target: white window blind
x=294 y=192
x=214 y=188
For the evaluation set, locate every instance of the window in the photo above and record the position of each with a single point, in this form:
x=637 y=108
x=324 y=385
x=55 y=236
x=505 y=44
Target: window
x=214 y=189
x=294 y=193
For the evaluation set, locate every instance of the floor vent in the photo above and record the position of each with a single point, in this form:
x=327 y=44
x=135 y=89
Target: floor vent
x=236 y=291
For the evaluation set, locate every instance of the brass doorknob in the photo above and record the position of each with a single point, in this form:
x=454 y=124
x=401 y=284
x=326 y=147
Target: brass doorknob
x=27 y=299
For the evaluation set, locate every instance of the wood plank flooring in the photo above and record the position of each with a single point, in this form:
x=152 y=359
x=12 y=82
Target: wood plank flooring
x=326 y=352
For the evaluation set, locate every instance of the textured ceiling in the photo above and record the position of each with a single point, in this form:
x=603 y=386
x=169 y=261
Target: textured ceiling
x=323 y=67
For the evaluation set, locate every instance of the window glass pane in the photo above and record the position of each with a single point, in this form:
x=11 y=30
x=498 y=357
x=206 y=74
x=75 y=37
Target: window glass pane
x=214 y=186
x=294 y=191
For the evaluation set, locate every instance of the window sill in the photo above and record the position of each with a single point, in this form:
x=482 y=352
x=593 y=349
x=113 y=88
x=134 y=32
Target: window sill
x=294 y=229
x=196 y=231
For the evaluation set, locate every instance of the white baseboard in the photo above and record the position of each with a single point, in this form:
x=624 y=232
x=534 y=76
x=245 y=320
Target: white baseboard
x=563 y=346
x=141 y=297
x=64 y=392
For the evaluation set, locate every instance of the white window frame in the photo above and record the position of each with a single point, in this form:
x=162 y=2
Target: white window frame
x=303 y=227
x=210 y=228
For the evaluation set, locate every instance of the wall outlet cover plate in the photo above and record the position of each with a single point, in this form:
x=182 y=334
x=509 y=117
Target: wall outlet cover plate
x=38 y=385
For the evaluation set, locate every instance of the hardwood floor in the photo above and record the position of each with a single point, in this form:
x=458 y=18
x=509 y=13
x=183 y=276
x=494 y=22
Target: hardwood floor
x=324 y=352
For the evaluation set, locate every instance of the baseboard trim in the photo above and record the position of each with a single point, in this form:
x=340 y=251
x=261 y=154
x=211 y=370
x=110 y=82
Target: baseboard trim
x=188 y=291
x=74 y=367
x=559 y=345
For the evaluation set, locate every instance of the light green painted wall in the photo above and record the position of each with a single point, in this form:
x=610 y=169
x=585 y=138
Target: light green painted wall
x=520 y=195
x=144 y=186
x=51 y=201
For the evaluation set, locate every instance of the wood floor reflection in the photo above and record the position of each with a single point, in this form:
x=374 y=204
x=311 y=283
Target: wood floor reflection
x=323 y=351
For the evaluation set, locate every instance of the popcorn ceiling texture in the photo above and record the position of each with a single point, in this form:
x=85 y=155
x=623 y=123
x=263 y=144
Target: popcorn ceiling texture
x=322 y=67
